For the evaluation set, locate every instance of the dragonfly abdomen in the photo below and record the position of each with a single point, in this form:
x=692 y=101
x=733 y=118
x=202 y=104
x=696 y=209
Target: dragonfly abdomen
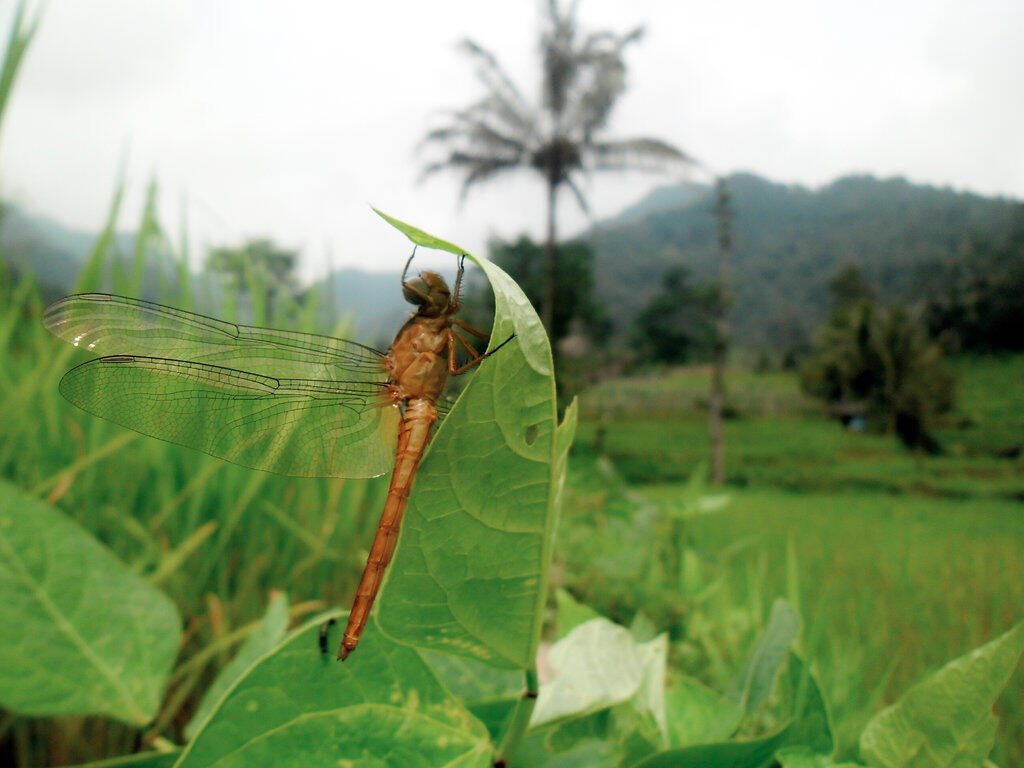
x=414 y=433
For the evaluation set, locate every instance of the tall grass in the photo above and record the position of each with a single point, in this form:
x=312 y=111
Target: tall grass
x=899 y=562
x=216 y=537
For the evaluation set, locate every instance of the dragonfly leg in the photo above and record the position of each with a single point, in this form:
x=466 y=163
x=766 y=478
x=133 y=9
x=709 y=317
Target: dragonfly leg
x=406 y=270
x=465 y=344
x=453 y=367
x=452 y=370
x=470 y=329
x=456 y=302
x=325 y=630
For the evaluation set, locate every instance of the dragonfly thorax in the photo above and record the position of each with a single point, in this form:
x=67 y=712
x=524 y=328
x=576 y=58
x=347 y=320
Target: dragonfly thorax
x=419 y=357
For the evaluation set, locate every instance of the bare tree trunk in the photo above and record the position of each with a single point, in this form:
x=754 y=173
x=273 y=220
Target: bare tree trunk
x=716 y=398
x=547 y=308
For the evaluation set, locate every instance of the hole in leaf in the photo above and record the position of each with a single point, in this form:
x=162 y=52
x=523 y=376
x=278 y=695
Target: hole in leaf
x=531 y=434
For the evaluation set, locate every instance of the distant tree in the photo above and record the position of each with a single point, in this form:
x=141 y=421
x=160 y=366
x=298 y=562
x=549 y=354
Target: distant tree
x=882 y=363
x=850 y=286
x=678 y=324
x=260 y=258
x=561 y=138
x=524 y=260
x=260 y=268
x=976 y=301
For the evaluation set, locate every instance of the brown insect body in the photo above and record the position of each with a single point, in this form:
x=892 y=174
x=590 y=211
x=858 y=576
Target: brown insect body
x=421 y=358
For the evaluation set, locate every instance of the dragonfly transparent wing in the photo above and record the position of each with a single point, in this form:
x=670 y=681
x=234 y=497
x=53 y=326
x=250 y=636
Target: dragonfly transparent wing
x=292 y=427
x=118 y=325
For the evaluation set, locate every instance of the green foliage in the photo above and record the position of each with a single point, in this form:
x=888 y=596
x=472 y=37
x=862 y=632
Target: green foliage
x=946 y=721
x=850 y=287
x=605 y=704
x=927 y=549
x=600 y=665
x=698 y=714
x=493 y=695
x=757 y=679
x=939 y=717
x=811 y=725
x=781 y=441
x=141 y=760
x=523 y=260
x=18 y=41
x=880 y=363
x=975 y=301
x=72 y=606
x=752 y=753
x=262 y=640
x=260 y=263
x=679 y=323
x=383 y=707
x=571 y=613
x=789 y=243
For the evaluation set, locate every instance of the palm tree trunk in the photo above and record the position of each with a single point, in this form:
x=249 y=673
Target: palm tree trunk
x=547 y=308
x=716 y=398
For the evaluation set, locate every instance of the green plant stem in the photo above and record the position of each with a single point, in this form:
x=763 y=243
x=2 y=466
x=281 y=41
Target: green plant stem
x=520 y=719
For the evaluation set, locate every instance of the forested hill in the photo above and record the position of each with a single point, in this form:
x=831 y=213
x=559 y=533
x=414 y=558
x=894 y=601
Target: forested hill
x=789 y=241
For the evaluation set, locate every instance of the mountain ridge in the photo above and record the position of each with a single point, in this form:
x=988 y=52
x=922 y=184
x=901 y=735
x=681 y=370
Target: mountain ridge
x=789 y=240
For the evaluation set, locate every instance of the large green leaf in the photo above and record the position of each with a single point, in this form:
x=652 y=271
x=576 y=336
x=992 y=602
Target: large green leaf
x=946 y=720
x=811 y=725
x=140 y=760
x=633 y=728
x=804 y=758
x=598 y=752
x=571 y=613
x=81 y=633
x=727 y=754
x=384 y=707
x=490 y=693
x=697 y=714
x=268 y=633
x=616 y=737
x=598 y=665
x=470 y=573
x=757 y=679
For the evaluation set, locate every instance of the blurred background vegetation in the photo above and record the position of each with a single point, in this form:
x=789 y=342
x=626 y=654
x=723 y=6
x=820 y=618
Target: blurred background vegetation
x=871 y=337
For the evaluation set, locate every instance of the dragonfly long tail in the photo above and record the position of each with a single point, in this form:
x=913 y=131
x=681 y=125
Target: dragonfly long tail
x=414 y=433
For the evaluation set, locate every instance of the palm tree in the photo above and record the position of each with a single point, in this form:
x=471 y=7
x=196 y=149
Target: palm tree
x=561 y=138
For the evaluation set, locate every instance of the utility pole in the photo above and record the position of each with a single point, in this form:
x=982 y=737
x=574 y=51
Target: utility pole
x=716 y=398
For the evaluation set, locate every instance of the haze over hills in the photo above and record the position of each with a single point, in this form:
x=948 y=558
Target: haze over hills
x=789 y=241
x=368 y=303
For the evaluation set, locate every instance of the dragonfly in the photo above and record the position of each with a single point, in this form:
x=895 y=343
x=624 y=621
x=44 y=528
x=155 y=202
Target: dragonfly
x=293 y=403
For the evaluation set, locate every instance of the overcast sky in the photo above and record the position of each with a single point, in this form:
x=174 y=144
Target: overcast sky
x=287 y=119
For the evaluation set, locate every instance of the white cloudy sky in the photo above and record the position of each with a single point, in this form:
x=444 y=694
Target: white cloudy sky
x=287 y=119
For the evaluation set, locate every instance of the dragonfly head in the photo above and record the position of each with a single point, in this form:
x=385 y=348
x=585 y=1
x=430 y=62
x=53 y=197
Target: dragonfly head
x=429 y=292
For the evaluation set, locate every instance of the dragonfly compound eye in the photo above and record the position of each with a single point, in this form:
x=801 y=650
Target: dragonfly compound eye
x=416 y=291
x=429 y=291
